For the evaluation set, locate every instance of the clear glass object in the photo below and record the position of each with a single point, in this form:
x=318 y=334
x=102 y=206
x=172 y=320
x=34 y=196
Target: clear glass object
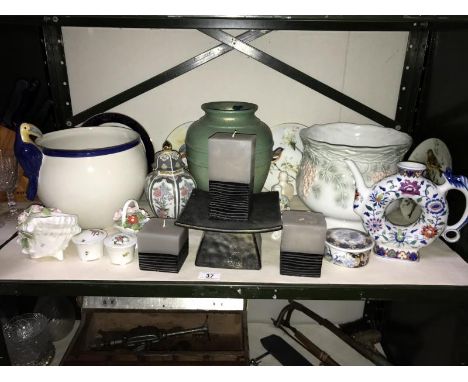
x=8 y=180
x=60 y=314
x=28 y=341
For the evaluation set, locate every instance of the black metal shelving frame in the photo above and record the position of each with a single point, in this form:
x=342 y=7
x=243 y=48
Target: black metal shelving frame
x=419 y=40
x=204 y=289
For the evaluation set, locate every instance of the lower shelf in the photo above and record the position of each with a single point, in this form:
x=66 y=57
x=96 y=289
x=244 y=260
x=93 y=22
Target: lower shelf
x=342 y=353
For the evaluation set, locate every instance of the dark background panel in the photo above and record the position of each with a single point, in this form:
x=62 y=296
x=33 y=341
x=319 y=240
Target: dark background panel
x=418 y=333
x=23 y=59
x=443 y=110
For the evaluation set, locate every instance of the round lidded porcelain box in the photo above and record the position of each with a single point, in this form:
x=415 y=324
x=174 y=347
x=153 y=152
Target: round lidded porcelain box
x=120 y=247
x=347 y=247
x=89 y=244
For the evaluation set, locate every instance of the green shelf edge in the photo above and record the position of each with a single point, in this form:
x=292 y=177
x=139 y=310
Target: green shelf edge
x=234 y=290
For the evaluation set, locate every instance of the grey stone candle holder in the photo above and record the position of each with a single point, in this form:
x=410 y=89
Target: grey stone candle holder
x=302 y=243
x=162 y=246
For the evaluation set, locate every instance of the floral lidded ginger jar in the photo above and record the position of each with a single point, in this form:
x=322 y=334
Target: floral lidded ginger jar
x=169 y=186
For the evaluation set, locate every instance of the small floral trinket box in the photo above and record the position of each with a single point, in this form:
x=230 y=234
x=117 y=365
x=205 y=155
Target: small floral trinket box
x=89 y=244
x=120 y=247
x=347 y=247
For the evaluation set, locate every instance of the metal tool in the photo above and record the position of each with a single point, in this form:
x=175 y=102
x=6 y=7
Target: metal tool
x=283 y=321
x=300 y=338
x=282 y=351
x=256 y=361
x=140 y=338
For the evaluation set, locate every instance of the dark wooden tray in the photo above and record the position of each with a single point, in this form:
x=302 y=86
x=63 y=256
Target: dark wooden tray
x=265 y=214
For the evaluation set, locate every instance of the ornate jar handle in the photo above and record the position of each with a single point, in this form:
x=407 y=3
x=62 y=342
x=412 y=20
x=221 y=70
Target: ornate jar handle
x=460 y=183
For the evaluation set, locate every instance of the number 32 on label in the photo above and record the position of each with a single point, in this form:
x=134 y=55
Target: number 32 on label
x=209 y=276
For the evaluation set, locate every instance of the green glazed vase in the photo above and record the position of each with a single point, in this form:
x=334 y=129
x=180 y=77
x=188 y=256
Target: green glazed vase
x=228 y=116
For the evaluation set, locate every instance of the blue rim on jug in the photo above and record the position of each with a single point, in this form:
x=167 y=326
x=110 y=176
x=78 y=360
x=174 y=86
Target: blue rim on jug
x=90 y=152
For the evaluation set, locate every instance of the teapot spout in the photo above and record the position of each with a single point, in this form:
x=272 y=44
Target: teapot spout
x=361 y=187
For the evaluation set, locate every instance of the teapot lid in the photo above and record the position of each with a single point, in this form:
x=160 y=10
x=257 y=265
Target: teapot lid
x=167 y=159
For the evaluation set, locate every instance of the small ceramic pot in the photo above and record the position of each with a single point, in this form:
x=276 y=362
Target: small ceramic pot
x=89 y=244
x=349 y=248
x=121 y=248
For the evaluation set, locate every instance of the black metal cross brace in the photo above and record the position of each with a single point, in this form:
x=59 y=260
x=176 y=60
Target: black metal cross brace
x=164 y=77
x=299 y=76
x=240 y=44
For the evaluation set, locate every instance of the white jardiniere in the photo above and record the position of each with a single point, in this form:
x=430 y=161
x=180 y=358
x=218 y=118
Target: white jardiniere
x=325 y=184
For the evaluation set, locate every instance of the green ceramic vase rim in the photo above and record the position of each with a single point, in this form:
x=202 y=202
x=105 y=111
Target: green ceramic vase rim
x=229 y=107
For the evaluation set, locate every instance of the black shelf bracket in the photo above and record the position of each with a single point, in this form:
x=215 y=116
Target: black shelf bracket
x=412 y=77
x=57 y=70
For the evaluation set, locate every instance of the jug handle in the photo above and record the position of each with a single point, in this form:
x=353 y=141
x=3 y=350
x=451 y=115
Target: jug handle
x=29 y=156
x=459 y=183
x=122 y=119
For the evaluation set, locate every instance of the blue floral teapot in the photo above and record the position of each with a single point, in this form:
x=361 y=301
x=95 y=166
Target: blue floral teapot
x=404 y=241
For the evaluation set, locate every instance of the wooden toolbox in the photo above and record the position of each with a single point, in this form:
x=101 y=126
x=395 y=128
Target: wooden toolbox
x=225 y=343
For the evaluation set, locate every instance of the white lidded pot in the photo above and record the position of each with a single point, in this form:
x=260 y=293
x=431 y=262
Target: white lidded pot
x=121 y=248
x=90 y=244
x=86 y=171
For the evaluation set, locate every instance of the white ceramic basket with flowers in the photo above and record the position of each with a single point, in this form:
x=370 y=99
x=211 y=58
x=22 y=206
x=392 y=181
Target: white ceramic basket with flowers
x=130 y=218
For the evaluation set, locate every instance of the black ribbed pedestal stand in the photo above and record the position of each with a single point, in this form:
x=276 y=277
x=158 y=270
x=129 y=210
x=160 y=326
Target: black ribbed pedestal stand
x=229 y=243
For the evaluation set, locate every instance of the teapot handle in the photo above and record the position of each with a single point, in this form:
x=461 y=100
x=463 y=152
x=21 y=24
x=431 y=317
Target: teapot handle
x=460 y=183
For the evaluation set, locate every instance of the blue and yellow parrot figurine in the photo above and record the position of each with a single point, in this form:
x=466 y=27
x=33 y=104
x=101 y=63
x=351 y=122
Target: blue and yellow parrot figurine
x=29 y=155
